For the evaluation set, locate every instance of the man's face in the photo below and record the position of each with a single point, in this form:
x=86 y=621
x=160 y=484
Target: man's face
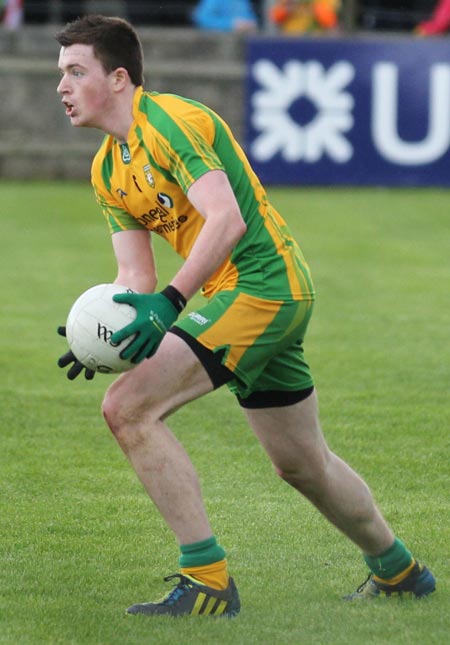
x=85 y=88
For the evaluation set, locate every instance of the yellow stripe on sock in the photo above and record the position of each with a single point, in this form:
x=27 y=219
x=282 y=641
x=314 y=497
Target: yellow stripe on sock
x=398 y=578
x=213 y=575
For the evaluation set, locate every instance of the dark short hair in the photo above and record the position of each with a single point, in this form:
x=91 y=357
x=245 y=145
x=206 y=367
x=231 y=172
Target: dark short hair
x=114 y=40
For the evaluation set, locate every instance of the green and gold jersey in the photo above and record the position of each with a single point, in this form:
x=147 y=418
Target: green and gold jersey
x=142 y=184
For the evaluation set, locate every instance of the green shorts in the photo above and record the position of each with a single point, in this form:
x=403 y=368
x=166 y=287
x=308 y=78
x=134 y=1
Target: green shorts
x=259 y=341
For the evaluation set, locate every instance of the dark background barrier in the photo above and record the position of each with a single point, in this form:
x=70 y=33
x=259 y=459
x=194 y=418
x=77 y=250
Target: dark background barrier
x=373 y=57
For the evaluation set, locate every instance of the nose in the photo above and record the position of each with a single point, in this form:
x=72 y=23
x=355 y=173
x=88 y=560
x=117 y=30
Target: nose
x=62 y=86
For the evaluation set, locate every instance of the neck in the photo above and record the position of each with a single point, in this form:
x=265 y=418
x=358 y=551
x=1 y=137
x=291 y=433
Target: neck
x=118 y=122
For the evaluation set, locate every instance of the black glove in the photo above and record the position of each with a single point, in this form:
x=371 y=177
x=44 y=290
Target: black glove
x=70 y=357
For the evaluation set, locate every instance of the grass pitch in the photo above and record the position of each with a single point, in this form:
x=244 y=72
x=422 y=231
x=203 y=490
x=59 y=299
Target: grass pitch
x=80 y=541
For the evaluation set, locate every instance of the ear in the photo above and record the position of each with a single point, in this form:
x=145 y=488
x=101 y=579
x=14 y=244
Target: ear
x=120 y=78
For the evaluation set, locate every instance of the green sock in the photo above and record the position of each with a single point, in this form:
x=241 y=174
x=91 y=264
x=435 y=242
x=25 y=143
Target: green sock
x=390 y=563
x=201 y=553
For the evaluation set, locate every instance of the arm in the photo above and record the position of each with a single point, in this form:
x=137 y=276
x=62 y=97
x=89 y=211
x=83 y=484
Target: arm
x=135 y=261
x=224 y=226
x=136 y=269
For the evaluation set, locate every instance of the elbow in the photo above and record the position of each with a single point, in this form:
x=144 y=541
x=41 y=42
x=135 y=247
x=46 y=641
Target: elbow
x=240 y=228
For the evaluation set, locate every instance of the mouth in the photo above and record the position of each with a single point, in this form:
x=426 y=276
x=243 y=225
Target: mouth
x=69 y=108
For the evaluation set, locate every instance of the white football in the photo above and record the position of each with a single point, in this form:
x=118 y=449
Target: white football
x=92 y=320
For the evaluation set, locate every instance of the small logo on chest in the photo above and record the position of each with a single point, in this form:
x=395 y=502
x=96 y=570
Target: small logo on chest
x=148 y=175
x=125 y=152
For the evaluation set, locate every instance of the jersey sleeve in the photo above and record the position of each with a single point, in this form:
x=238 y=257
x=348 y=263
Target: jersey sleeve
x=184 y=140
x=117 y=218
x=191 y=157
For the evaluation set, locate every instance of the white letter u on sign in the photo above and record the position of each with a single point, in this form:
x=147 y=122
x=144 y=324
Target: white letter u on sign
x=385 y=116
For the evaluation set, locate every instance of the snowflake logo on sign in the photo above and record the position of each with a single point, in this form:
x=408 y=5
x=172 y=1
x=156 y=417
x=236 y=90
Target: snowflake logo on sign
x=281 y=133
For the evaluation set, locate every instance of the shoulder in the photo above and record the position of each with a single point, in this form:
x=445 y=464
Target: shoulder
x=163 y=109
x=102 y=164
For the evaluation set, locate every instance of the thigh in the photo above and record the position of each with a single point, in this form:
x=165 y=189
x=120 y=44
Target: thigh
x=291 y=435
x=161 y=384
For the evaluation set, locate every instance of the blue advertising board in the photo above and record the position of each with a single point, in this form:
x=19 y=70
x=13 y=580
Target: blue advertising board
x=362 y=111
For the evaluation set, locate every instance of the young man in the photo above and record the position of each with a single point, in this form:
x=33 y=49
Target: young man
x=171 y=166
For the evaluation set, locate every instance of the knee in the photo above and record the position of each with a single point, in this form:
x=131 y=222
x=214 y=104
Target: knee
x=295 y=478
x=113 y=411
x=306 y=476
x=123 y=417
x=304 y=482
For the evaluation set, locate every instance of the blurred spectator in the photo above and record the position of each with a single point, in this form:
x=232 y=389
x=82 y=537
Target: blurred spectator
x=220 y=15
x=299 y=16
x=439 y=23
x=11 y=13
